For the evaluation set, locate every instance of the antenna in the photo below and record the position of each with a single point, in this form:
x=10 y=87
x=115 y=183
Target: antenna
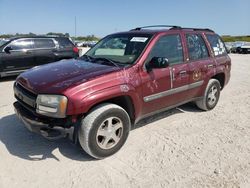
x=75 y=27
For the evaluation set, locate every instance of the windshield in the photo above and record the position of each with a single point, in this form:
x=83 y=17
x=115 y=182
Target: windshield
x=2 y=42
x=122 y=49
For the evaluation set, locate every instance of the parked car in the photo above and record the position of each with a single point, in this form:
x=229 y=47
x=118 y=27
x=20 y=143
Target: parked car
x=21 y=53
x=236 y=47
x=108 y=90
x=245 y=49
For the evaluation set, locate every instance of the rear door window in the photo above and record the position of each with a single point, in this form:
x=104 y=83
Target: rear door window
x=216 y=44
x=196 y=47
x=44 y=43
x=169 y=47
x=21 y=44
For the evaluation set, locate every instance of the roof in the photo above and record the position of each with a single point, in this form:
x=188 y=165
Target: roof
x=36 y=36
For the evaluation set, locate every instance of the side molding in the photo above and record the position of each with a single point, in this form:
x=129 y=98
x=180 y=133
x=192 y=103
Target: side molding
x=172 y=91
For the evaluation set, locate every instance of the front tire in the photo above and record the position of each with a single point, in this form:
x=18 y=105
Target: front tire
x=211 y=96
x=104 y=130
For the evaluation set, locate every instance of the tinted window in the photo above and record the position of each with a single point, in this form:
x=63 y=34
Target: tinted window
x=169 y=47
x=196 y=47
x=64 y=42
x=21 y=44
x=216 y=44
x=44 y=43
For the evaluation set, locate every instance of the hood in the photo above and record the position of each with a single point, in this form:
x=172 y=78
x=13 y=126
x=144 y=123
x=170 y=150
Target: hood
x=54 y=78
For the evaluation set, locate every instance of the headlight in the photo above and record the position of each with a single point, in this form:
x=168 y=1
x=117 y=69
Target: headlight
x=52 y=105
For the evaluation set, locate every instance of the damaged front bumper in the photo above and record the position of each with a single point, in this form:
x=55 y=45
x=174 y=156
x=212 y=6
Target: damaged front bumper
x=42 y=126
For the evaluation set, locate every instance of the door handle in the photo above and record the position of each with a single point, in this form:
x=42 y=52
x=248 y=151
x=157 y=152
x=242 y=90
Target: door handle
x=183 y=73
x=210 y=66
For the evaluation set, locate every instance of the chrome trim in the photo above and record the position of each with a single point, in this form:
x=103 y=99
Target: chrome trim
x=32 y=49
x=171 y=78
x=182 y=72
x=172 y=91
x=210 y=66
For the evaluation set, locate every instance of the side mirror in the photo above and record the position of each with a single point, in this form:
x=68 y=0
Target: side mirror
x=7 y=49
x=157 y=63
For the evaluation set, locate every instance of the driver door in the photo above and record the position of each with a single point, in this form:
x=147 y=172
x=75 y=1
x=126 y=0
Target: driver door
x=164 y=87
x=20 y=55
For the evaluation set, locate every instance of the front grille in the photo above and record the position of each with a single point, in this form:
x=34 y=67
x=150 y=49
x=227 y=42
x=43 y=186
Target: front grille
x=25 y=96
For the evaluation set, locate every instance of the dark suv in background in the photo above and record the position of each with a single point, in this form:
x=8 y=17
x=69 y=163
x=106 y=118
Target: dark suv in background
x=21 y=53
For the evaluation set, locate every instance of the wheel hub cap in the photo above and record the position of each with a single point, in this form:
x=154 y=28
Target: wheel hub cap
x=212 y=96
x=109 y=133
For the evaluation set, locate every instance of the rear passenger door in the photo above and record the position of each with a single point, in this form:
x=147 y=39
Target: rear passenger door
x=179 y=71
x=44 y=51
x=201 y=65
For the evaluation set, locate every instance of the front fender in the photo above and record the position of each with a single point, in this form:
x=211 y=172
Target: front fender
x=87 y=102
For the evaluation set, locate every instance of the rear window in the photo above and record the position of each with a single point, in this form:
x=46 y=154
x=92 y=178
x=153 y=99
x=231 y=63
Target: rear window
x=44 y=43
x=216 y=44
x=64 y=43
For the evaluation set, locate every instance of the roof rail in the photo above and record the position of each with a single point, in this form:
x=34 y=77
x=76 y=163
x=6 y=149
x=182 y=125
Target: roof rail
x=172 y=27
x=195 y=29
x=151 y=26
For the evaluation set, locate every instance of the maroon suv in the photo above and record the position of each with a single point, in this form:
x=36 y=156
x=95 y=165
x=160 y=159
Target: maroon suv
x=122 y=79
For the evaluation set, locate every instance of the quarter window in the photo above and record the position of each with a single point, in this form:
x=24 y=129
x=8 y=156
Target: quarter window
x=196 y=47
x=44 y=43
x=21 y=44
x=216 y=44
x=169 y=47
x=64 y=42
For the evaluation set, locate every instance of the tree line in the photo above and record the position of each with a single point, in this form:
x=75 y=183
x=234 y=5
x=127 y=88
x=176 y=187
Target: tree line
x=228 y=38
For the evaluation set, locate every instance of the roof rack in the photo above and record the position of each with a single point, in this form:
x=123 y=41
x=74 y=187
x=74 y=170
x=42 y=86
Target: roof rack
x=195 y=29
x=172 y=27
x=151 y=26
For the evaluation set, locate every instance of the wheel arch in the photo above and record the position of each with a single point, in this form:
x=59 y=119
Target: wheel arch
x=221 y=78
x=124 y=101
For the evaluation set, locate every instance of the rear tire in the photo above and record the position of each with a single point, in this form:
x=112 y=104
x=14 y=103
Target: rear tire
x=104 y=130
x=211 y=96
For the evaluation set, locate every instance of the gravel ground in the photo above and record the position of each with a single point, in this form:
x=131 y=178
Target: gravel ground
x=183 y=147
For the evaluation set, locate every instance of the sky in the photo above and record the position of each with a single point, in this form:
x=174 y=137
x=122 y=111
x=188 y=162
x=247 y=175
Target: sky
x=226 y=17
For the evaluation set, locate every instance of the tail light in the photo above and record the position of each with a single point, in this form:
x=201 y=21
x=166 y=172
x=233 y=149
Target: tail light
x=75 y=49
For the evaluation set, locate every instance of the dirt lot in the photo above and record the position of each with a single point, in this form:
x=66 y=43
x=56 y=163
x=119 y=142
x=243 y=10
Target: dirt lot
x=180 y=148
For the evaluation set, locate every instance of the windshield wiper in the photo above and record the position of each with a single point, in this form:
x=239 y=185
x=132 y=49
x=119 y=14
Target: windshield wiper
x=106 y=60
x=90 y=58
